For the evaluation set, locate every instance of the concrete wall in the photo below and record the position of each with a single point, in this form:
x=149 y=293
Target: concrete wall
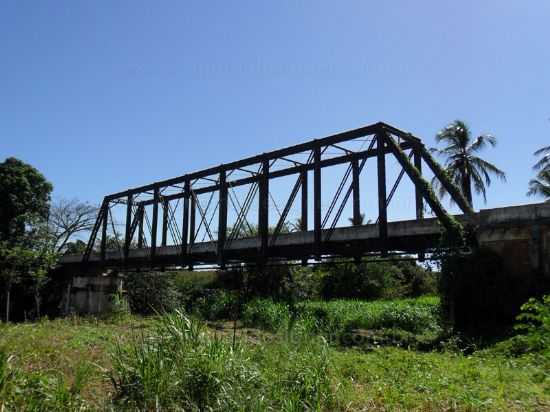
x=91 y=294
x=520 y=235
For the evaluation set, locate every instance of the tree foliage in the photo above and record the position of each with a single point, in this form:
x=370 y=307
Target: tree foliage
x=540 y=185
x=25 y=241
x=462 y=163
x=25 y=195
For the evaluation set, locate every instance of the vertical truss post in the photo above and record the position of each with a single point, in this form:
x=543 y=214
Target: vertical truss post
x=154 y=223
x=317 y=201
x=104 y=231
x=355 y=188
x=382 y=205
x=222 y=218
x=356 y=198
x=141 y=214
x=164 y=222
x=263 y=212
x=127 y=232
x=192 y=219
x=185 y=224
x=303 y=219
x=418 y=193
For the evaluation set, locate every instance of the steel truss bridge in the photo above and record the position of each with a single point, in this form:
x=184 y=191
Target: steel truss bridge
x=162 y=220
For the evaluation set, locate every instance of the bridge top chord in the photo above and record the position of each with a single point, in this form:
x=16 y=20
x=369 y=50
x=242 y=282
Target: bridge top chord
x=169 y=236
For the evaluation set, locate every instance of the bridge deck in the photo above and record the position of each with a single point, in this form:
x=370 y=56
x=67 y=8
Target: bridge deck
x=408 y=236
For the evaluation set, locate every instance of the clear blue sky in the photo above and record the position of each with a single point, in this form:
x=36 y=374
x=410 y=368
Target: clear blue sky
x=102 y=95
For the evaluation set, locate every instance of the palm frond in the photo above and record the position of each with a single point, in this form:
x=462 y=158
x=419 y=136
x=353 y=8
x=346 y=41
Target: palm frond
x=438 y=188
x=466 y=170
x=542 y=150
x=481 y=141
x=476 y=176
x=542 y=163
x=455 y=133
x=487 y=167
x=540 y=186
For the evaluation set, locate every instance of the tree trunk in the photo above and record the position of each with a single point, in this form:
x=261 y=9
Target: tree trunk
x=467 y=188
x=37 y=302
x=8 y=293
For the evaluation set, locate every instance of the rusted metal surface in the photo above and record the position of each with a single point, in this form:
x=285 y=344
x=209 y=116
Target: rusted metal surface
x=178 y=232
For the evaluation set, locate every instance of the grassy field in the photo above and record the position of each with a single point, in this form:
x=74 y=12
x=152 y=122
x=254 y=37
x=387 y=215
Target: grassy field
x=344 y=320
x=178 y=363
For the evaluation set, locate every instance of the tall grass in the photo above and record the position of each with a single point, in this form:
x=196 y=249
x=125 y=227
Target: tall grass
x=335 y=318
x=180 y=366
x=174 y=363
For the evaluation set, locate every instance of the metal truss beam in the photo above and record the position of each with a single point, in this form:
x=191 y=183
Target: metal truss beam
x=271 y=165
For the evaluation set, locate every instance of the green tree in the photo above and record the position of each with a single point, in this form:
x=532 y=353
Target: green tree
x=540 y=185
x=30 y=262
x=78 y=247
x=25 y=195
x=25 y=241
x=462 y=163
x=544 y=162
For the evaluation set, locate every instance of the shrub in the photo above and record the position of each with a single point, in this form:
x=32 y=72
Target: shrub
x=189 y=282
x=119 y=306
x=480 y=297
x=213 y=304
x=534 y=325
x=150 y=292
x=266 y=314
x=375 y=280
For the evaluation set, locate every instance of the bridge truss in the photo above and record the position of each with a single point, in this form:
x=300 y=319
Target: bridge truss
x=163 y=219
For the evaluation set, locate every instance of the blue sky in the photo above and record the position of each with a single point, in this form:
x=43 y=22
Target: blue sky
x=101 y=95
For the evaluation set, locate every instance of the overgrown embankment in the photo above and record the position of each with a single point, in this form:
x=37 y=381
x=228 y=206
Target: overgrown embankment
x=174 y=362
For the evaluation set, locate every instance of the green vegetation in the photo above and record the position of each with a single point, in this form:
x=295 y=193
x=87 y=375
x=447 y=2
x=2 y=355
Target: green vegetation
x=175 y=362
x=340 y=337
x=540 y=185
x=32 y=234
x=407 y=322
x=462 y=164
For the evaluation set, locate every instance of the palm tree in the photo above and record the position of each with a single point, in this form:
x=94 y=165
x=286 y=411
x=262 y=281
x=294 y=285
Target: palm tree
x=359 y=221
x=544 y=162
x=462 y=164
x=540 y=186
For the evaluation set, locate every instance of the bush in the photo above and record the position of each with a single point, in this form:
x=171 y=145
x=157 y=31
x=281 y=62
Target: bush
x=151 y=292
x=266 y=314
x=534 y=325
x=119 y=308
x=212 y=304
x=376 y=280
